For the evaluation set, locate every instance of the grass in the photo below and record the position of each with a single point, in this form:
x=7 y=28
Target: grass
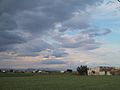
x=58 y=82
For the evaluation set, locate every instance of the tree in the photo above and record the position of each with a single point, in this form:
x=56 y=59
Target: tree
x=82 y=70
x=69 y=70
x=11 y=70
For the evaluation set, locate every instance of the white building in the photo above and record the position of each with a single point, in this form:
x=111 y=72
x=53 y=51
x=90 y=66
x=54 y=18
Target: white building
x=101 y=70
x=3 y=71
x=62 y=71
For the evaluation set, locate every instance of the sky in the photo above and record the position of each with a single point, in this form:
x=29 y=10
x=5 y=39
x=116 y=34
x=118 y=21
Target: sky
x=59 y=34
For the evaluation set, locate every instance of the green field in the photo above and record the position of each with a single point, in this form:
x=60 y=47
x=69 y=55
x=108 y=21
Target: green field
x=58 y=82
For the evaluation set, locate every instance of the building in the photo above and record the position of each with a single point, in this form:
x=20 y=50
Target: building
x=62 y=71
x=115 y=71
x=101 y=70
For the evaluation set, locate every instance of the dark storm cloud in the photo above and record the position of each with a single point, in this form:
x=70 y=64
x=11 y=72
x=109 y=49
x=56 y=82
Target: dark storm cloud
x=34 y=23
x=43 y=17
x=39 y=15
x=32 y=48
x=6 y=22
x=35 y=18
x=14 y=6
x=8 y=36
x=78 y=21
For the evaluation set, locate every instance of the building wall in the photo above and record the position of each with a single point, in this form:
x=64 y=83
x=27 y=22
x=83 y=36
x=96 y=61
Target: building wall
x=99 y=71
x=93 y=72
x=108 y=73
x=102 y=73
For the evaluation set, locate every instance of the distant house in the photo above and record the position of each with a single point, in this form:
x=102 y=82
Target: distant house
x=36 y=71
x=115 y=71
x=101 y=70
x=39 y=71
x=3 y=71
x=62 y=71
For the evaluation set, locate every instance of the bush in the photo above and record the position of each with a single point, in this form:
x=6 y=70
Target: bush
x=82 y=70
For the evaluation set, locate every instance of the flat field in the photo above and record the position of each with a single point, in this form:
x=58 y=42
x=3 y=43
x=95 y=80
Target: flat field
x=58 y=82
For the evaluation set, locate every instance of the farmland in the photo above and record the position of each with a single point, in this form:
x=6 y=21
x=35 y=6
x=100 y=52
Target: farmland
x=58 y=82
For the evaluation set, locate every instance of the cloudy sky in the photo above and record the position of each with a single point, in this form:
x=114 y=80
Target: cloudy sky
x=59 y=34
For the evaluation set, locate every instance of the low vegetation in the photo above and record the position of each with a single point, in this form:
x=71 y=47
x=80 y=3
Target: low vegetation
x=82 y=70
x=14 y=81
